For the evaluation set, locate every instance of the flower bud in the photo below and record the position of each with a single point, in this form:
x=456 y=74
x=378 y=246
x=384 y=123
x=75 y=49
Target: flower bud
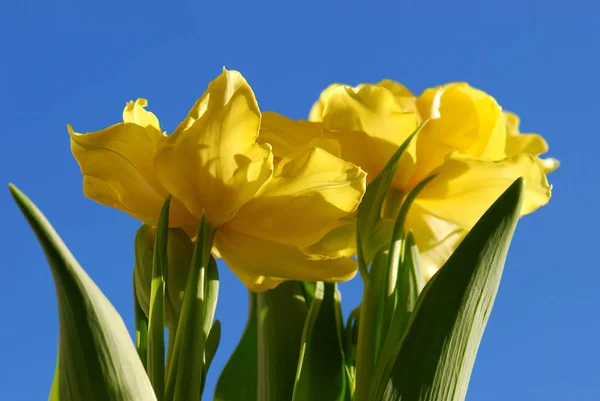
x=179 y=255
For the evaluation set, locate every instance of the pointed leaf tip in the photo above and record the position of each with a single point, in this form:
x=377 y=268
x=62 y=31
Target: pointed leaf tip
x=97 y=360
x=436 y=355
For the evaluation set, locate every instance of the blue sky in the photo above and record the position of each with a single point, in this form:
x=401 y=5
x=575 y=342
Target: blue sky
x=79 y=62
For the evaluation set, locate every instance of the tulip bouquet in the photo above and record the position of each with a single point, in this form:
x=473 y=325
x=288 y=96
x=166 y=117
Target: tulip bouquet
x=418 y=194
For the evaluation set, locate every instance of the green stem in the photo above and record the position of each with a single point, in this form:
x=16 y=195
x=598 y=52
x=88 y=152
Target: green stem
x=171 y=341
x=365 y=357
x=264 y=384
x=369 y=335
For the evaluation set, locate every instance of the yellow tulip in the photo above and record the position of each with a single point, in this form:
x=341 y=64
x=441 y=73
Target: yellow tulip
x=534 y=144
x=469 y=143
x=270 y=210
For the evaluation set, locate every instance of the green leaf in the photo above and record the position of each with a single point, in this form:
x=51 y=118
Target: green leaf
x=322 y=374
x=309 y=289
x=408 y=287
x=369 y=333
x=141 y=329
x=186 y=372
x=96 y=357
x=212 y=343
x=54 y=392
x=211 y=296
x=350 y=341
x=369 y=211
x=390 y=293
x=237 y=381
x=142 y=271
x=281 y=317
x=156 y=316
x=437 y=354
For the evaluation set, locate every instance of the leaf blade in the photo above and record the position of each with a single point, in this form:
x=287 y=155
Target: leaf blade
x=445 y=331
x=185 y=381
x=281 y=316
x=321 y=374
x=369 y=210
x=97 y=359
x=156 y=316
x=237 y=381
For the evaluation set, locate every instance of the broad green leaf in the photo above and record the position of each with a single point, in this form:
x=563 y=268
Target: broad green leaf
x=322 y=374
x=282 y=312
x=237 y=381
x=187 y=368
x=97 y=361
x=369 y=211
x=438 y=351
x=156 y=316
x=54 y=392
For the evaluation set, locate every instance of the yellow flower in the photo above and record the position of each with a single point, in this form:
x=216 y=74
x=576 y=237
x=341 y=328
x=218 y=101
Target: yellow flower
x=469 y=143
x=534 y=144
x=269 y=214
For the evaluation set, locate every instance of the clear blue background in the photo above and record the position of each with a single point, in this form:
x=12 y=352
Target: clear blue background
x=79 y=62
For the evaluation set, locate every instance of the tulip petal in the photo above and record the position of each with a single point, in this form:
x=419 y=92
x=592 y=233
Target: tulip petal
x=535 y=144
x=463 y=119
x=337 y=243
x=375 y=111
x=465 y=187
x=135 y=112
x=403 y=95
x=516 y=142
x=435 y=238
x=261 y=263
x=285 y=135
x=117 y=166
x=526 y=143
x=212 y=162
x=550 y=164
x=310 y=190
x=316 y=112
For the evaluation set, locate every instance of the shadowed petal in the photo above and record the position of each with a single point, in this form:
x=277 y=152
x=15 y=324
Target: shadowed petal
x=262 y=264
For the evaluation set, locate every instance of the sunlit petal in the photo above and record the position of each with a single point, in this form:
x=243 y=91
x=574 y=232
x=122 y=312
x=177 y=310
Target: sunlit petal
x=316 y=112
x=135 y=112
x=403 y=95
x=435 y=238
x=535 y=144
x=373 y=110
x=310 y=190
x=285 y=135
x=212 y=162
x=117 y=166
x=466 y=187
x=463 y=119
x=338 y=242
